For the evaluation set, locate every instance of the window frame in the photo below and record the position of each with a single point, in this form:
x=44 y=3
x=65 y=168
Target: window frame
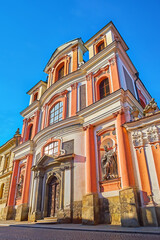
x=104 y=87
x=50 y=141
x=59 y=110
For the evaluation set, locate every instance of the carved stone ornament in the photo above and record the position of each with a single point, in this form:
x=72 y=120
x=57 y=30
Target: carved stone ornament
x=134 y=112
x=109 y=164
x=80 y=64
x=137 y=138
x=153 y=134
x=150 y=108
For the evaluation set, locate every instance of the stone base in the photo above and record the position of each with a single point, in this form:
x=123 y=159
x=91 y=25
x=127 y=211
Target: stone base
x=149 y=217
x=64 y=216
x=110 y=210
x=22 y=212
x=33 y=217
x=129 y=216
x=158 y=214
x=90 y=209
x=77 y=212
x=8 y=213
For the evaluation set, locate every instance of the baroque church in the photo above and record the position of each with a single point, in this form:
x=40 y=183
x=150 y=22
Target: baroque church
x=89 y=150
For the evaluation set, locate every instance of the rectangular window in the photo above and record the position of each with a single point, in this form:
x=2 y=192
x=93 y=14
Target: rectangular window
x=82 y=96
x=129 y=82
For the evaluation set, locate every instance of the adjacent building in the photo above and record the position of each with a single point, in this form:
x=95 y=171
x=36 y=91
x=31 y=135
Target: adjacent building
x=6 y=165
x=89 y=146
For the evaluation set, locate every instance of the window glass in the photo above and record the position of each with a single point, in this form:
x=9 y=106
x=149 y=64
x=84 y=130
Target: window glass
x=104 y=88
x=56 y=113
x=30 y=132
x=100 y=47
x=61 y=72
x=51 y=149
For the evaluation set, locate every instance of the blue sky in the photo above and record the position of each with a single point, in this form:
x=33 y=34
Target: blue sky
x=31 y=30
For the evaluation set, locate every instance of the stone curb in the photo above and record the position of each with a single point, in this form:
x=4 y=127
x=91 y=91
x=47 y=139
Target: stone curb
x=87 y=229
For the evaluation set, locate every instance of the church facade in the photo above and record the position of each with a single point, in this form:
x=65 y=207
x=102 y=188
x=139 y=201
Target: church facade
x=89 y=149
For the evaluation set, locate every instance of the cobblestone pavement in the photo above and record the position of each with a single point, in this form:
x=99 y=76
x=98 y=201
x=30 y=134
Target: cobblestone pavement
x=23 y=233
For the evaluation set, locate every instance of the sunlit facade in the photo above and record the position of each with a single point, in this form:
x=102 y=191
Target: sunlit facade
x=89 y=146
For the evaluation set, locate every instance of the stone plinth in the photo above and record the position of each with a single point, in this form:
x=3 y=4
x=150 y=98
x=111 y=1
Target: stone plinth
x=22 y=212
x=8 y=213
x=129 y=216
x=158 y=214
x=149 y=216
x=110 y=210
x=77 y=212
x=90 y=209
x=33 y=217
x=64 y=216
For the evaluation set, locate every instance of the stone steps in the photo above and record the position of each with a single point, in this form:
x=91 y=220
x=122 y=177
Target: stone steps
x=48 y=220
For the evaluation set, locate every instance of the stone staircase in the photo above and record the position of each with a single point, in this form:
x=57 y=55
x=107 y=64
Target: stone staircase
x=48 y=220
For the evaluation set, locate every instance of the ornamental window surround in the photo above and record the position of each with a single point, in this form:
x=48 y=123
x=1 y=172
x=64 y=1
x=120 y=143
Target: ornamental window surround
x=100 y=44
x=103 y=85
x=56 y=113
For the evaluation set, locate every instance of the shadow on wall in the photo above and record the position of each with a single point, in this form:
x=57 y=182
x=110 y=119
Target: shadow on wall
x=79 y=159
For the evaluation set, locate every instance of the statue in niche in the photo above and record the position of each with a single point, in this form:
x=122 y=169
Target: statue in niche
x=20 y=186
x=109 y=164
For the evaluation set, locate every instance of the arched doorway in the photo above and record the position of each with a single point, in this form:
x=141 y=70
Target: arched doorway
x=53 y=197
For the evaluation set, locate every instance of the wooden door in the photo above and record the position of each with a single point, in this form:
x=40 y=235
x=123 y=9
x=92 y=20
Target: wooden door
x=53 y=197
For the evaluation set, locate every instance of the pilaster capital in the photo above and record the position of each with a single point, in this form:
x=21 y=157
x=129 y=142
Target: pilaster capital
x=112 y=60
x=137 y=137
x=25 y=120
x=74 y=85
x=89 y=76
x=88 y=127
x=153 y=134
x=121 y=111
x=75 y=48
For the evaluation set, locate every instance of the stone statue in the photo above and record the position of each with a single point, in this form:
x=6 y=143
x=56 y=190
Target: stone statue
x=109 y=164
x=134 y=112
x=150 y=108
x=20 y=187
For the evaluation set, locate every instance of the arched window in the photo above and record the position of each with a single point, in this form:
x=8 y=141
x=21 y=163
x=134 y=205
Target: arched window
x=30 y=132
x=1 y=190
x=35 y=96
x=100 y=47
x=104 y=88
x=51 y=149
x=61 y=72
x=56 y=113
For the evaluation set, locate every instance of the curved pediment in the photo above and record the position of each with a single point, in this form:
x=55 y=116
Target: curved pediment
x=62 y=50
x=46 y=161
